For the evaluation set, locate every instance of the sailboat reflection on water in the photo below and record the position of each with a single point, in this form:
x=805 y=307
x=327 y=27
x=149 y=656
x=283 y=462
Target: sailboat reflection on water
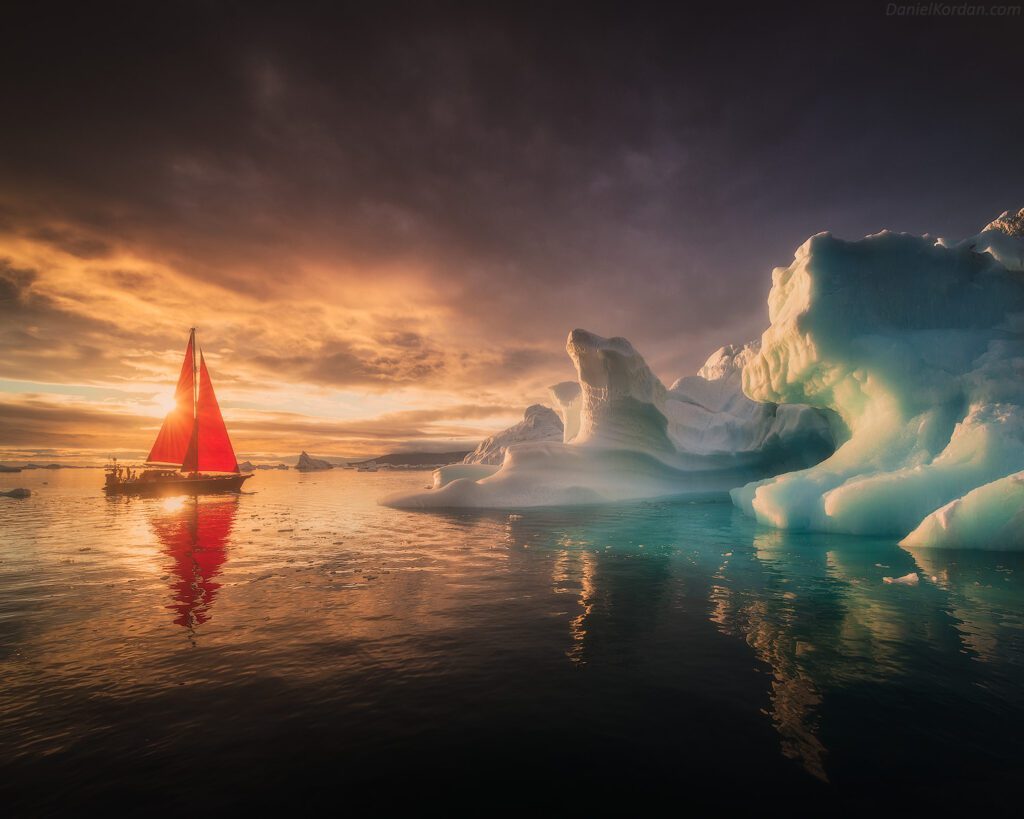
x=194 y=535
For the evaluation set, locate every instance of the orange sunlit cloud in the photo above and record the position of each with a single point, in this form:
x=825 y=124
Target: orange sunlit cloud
x=341 y=365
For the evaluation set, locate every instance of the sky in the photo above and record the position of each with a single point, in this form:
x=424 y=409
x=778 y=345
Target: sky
x=384 y=219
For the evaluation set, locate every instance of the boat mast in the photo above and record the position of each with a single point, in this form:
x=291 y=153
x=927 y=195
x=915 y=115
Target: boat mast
x=195 y=392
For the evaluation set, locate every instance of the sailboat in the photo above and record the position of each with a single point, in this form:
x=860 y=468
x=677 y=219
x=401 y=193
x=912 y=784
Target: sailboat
x=192 y=454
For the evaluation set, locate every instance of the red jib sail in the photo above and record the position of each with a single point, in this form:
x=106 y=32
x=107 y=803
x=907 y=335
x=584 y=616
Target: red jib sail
x=172 y=442
x=210 y=449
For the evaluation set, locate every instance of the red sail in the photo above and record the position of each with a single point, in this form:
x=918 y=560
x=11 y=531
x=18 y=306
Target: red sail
x=210 y=449
x=172 y=442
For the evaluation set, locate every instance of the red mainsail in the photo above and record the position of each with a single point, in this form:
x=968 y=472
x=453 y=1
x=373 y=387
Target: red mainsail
x=210 y=447
x=172 y=442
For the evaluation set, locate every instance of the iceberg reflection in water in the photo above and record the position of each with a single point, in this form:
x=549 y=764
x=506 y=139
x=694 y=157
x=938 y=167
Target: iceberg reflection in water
x=648 y=646
x=817 y=613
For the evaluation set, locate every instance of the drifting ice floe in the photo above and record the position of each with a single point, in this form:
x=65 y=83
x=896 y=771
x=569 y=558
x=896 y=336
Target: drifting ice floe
x=632 y=438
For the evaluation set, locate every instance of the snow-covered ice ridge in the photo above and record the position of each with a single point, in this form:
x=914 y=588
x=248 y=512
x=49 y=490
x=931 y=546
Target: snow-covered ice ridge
x=918 y=345
x=539 y=423
x=624 y=436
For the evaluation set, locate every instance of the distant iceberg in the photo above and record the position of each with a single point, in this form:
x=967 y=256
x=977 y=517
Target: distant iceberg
x=632 y=438
x=918 y=345
x=310 y=464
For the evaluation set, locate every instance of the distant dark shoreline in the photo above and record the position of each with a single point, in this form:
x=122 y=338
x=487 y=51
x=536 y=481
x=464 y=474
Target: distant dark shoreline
x=415 y=458
x=409 y=459
x=11 y=468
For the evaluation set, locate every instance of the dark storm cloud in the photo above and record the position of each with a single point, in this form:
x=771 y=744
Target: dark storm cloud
x=628 y=170
x=14 y=284
x=72 y=242
x=408 y=359
x=341 y=364
x=43 y=338
x=39 y=339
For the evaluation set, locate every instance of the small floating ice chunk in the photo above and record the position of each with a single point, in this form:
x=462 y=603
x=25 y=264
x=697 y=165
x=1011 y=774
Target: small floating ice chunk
x=910 y=579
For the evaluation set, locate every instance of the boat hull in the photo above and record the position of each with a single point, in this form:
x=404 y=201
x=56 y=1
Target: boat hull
x=184 y=485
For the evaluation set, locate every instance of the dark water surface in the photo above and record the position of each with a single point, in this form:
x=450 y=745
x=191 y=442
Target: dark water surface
x=300 y=645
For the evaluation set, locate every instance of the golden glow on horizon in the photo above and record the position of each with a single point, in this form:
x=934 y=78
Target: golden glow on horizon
x=341 y=362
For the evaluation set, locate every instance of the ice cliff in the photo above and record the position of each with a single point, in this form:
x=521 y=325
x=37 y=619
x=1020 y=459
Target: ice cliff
x=566 y=397
x=917 y=345
x=625 y=436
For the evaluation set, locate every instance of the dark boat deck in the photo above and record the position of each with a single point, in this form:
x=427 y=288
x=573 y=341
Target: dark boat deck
x=176 y=485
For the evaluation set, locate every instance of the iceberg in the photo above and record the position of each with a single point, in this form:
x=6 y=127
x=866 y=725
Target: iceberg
x=309 y=464
x=539 y=423
x=886 y=397
x=566 y=397
x=917 y=345
x=624 y=436
x=709 y=415
x=989 y=517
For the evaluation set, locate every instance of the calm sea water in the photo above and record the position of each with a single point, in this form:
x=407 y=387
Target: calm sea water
x=300 y=643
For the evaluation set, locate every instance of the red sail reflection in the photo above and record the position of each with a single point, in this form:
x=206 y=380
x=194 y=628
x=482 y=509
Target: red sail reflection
x=194 y=533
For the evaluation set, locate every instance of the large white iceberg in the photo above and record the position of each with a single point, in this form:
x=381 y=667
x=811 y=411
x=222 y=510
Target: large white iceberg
x=918 y=346
x=632 y=438
x=906 y=351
